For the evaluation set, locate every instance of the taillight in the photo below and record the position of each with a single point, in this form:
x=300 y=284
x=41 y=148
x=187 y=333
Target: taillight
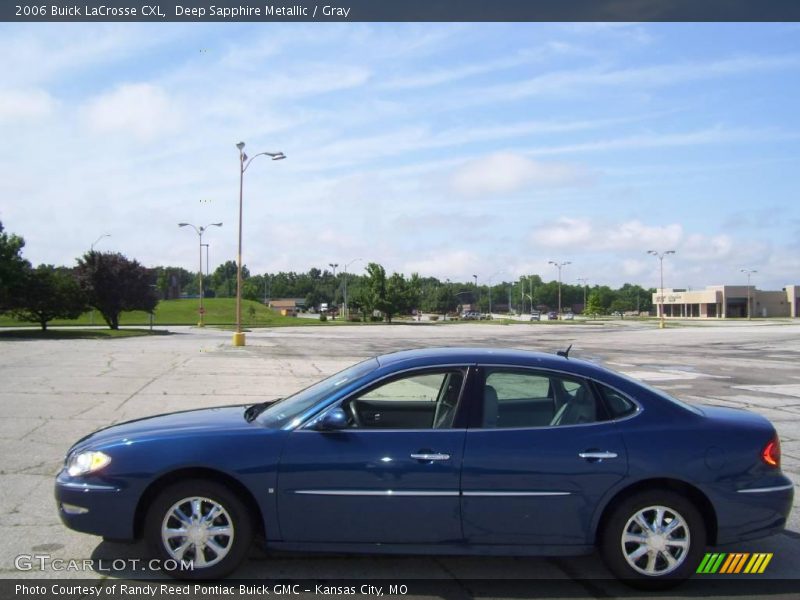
x=771 y=454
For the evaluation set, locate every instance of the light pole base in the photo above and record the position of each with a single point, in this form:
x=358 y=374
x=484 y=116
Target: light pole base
x=662 y=325
x=201 y=324
x=238 y=338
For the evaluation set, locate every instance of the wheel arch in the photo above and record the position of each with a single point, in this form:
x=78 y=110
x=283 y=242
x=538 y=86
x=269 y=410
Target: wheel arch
x=184 y=474
x=692 y=493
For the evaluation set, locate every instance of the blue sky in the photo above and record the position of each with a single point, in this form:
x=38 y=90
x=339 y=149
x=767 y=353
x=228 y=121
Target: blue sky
x=446 y=149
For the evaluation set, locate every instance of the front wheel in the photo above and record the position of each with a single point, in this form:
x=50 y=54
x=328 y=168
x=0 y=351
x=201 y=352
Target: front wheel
x=200 y=530
x=653 y=539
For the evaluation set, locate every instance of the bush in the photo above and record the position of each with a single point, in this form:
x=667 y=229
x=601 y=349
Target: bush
x=323 y=317
x=434 y=318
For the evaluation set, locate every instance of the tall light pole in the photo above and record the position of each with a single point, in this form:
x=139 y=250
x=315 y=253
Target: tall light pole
x=660 y=256
x=333 y=299
x=749 y=272
x=559 y=266
x=490 y=289
x=238 y=336
x=477 y=293
x=94 y=243
x=199 y=231
x=206 y=247
x=346 y=313
x=584 y=281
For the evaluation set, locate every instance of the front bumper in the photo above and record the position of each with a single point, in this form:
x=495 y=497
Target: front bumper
x=95 y=507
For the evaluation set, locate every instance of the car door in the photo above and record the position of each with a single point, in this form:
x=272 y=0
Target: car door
x=538 y=460
x=391 y=476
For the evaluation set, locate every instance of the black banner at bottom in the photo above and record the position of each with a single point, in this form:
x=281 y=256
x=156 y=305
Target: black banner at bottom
x=367 y=589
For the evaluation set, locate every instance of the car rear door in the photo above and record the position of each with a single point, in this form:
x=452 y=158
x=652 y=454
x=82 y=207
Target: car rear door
x=392 y=476
x=539 y=459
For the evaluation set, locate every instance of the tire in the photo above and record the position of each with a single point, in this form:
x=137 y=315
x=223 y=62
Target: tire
x=199 y=521
x=649 y=558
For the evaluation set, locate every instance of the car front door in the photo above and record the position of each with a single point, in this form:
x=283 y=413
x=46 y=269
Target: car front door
x=539 y=460
x=391 y=476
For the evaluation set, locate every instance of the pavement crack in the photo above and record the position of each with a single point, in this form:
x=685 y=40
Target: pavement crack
x=155 y=378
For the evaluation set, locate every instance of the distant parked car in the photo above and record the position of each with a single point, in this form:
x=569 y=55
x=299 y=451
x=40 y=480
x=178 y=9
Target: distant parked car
x=568 y=316
x=552 y=315
x=470 y=315
x=536 y=315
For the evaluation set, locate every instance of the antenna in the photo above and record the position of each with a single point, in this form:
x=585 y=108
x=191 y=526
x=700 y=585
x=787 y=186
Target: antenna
x=565 y=353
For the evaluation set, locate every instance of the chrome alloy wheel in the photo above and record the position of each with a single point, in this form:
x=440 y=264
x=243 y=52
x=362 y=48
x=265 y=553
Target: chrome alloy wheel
x=655 y=541
x=199 y=530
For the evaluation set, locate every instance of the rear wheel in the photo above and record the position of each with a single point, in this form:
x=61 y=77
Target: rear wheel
x=200 y=523
x=653 y=539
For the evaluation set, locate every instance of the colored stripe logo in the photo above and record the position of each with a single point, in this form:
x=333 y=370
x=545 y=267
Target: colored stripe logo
x=734 y=563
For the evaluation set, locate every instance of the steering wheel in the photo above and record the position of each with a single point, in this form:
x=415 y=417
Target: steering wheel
x=351 y=410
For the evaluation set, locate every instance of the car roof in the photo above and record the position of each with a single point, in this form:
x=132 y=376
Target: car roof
x=499 y=356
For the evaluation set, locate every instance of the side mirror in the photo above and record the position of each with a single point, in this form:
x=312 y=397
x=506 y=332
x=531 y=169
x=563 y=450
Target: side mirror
x=333 y=420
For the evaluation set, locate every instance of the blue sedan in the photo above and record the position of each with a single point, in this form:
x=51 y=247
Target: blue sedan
x=451 y=451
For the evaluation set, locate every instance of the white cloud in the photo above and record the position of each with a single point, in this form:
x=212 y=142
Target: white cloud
x=583 y=235
x=456 y=264
x=505 y=172
x=25 y=104
x=142 y=111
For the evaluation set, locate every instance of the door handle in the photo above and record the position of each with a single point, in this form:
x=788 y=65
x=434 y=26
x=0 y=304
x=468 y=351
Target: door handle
x=430 y=456
x=596 y=455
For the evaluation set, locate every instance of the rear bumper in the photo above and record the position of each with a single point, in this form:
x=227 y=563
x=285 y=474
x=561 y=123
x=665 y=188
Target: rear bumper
x=96 y=508
x=753 y=512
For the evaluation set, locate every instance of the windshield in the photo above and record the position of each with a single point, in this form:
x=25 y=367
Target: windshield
x=284 y=411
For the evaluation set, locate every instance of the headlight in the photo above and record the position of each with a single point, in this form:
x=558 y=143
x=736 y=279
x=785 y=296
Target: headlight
x=86 y=462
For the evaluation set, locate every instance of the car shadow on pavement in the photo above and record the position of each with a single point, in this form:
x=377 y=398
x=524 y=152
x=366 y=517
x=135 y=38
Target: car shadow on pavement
x=460 y=577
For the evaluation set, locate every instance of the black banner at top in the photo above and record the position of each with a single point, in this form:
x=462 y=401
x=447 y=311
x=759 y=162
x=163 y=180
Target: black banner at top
x=399 y=10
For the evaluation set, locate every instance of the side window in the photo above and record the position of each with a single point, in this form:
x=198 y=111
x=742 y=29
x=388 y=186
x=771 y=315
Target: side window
x=618 y=405
x=537 y=399
x=415 y=401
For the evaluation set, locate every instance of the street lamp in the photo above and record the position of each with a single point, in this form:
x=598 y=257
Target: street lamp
x=584 y=281
x=660 y=257
x=199 y=231
x=490 y=289
x=345 y=311
x=333 y=299
x=559 y=266
x=749 y=272
x=238 y=336
x=94 y=243
x=477 y=292
x=207 y=263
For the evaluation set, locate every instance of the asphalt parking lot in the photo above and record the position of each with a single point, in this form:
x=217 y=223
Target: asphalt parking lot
x=54 y=392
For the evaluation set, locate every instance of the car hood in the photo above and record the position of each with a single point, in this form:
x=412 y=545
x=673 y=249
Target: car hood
x=220 y=418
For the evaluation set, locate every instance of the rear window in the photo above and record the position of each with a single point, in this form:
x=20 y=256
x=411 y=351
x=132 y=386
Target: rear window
x=618 y=405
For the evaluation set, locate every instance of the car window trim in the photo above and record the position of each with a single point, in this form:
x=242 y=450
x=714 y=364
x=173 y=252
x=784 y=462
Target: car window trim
x=474 y=424
x=468 y=367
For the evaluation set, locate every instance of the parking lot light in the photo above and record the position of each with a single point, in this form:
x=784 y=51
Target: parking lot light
x=199 y=231
x=558 y=266
x=749 y=273
x=660 y=256
x=244 y=162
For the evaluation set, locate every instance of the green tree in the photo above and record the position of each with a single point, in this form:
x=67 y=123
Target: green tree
x=593 y=304
x=223 y=279
x=13 y=269
x=114 y=283
x=375 y=297
x=48 y=294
